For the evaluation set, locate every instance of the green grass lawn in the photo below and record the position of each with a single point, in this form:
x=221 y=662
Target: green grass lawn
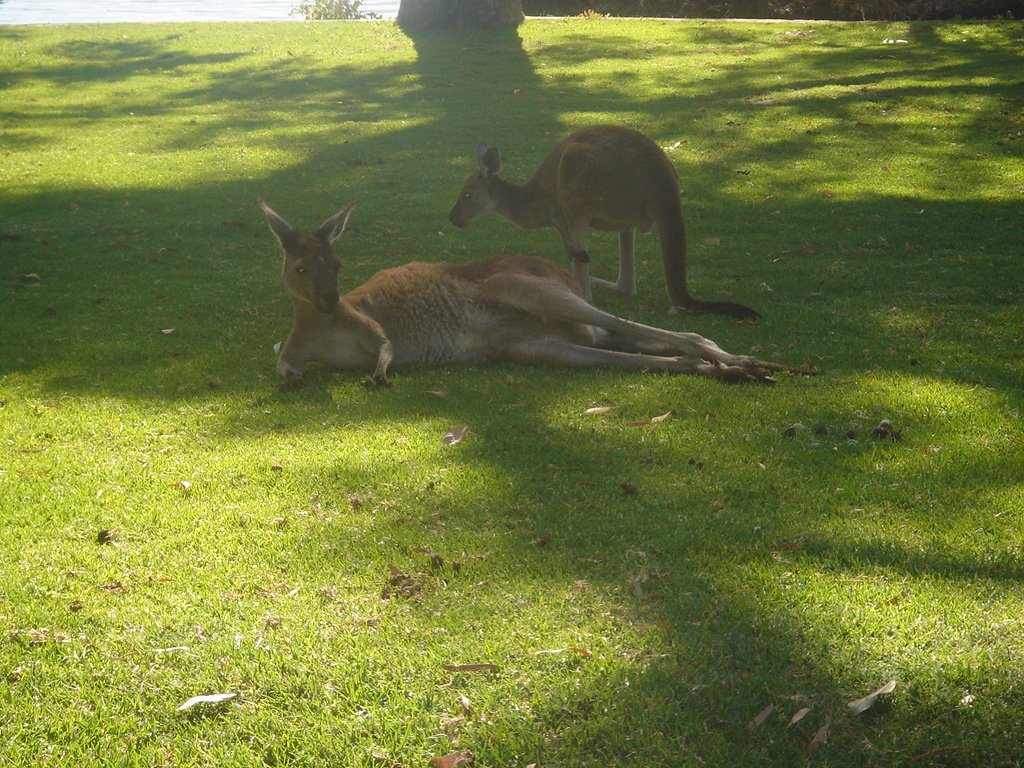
x=322 y=555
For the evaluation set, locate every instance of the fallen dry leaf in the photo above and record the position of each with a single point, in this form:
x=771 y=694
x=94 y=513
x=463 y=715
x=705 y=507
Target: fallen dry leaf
x=438 y=393
x=638 y=590
x=403 y=585
x=659 y=419
x=47 y=635
x=213 y=698
x=933 y=752
x=760 y=717
x=182 y=484
x=598 y=409
x=381 y=759
x=452 y=723
x=454 y=760
x=453 y=436
x=580 y=651
x=797 y=538
x=799 y=715
x=820 y=736
x=897 y=599
x=108 y=535
x=797 y=541
x=863 y=705
x=470 y=667
x=886 y=431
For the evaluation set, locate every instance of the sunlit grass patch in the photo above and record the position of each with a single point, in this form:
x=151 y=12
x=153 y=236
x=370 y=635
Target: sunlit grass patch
x=633 y=567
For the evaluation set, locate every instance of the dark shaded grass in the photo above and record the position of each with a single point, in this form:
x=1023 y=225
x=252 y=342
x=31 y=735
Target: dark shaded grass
x=880 y=250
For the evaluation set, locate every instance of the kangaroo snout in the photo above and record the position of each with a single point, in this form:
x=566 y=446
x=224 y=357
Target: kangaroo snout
x=456 y=218
x=327 y=300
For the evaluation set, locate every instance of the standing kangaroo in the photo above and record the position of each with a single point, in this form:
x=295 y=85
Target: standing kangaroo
x=608 y=177
x=517 y=309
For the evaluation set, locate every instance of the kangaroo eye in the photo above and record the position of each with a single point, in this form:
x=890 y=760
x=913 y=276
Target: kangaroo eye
x=301 y=270
x=467 y=195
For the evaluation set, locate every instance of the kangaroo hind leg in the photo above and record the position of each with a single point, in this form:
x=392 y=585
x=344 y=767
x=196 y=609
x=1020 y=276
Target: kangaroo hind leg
x=552 y=302
x=565 y=354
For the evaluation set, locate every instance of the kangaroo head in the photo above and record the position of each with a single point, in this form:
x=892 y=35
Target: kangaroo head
x=311 y=265
x=475 y=198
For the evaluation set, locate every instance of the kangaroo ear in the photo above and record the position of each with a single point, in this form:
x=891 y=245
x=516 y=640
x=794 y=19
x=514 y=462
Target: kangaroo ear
x=282 y=230
x=489 y=160
x=331 y=229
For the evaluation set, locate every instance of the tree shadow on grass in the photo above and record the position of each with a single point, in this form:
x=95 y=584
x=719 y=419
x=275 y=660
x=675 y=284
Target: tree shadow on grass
x=713 y=657
x=83 y=317
x=474 y=102
x=219 y=292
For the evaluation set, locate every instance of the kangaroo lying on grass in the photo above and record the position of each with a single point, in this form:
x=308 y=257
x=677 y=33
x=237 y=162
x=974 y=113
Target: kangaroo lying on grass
x=516 y=309
x=608 y=177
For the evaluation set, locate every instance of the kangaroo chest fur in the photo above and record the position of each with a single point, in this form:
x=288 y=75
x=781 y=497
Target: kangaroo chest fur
x=429 y=318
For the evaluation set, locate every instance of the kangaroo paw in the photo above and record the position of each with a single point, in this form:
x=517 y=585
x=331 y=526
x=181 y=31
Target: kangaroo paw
x=744 y=372
x=785 y=368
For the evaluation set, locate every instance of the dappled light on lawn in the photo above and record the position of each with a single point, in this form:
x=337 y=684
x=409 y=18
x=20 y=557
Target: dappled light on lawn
x=602 y=569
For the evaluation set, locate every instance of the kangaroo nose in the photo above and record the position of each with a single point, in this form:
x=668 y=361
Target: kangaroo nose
x=329 y=298
x=455 y=219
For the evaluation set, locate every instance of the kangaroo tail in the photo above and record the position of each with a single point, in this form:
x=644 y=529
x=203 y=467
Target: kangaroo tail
x=672 y=236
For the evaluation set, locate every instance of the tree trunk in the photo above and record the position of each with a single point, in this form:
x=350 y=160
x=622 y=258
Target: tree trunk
x=459 y=14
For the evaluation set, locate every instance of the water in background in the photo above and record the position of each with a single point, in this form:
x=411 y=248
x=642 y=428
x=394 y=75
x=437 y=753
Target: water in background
x=86 y=11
